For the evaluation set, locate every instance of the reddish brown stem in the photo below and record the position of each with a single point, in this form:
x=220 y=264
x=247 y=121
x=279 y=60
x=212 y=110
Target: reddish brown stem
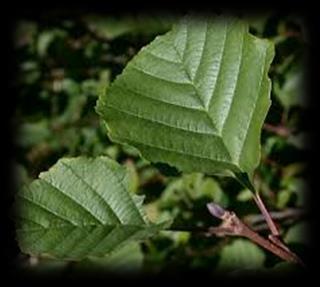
x=232 y=225
x=273 y=228
x=275 y=234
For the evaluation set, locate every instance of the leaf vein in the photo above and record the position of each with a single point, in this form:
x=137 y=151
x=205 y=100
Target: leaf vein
x=160 y=123
x=111 y=211
x=181 y=153
x=236 y=84
x=46 y=209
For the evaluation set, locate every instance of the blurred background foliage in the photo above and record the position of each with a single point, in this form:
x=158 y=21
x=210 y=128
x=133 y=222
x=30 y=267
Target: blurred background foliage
x=63 y=65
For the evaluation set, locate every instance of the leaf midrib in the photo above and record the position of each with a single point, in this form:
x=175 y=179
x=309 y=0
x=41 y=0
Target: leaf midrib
x=191 y=82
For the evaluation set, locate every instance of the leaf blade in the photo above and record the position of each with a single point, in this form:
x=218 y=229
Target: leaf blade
x=198 y=102
x=80 y=208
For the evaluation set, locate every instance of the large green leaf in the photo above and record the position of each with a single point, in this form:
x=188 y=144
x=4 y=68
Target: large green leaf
x=79 y=208
x=194 y=98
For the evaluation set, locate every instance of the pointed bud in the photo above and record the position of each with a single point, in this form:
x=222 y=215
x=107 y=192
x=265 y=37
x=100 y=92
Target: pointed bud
x=216 y=210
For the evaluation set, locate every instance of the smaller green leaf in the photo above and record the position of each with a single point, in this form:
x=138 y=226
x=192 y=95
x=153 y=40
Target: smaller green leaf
x=81 y=208
x=134 y=177
x=291 y=92
x=296 y=185
x=32 y=133
x=30 y=73
x=241 y=254
x=194 y=186
x=298 y=233
x=244 y=195
x=283 y=197
x=112 y=151
x=46 y=38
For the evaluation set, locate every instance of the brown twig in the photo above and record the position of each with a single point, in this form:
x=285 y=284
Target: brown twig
x=233 y=226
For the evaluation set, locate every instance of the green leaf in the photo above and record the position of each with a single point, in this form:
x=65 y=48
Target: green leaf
x=244 y=195
x=298 y=233
x=283 y=197
x=193 y=186
x=46 y=38
x=243 y=254
x=291 y=93
x=195 y=98
x=81 y=208
x=32 y=133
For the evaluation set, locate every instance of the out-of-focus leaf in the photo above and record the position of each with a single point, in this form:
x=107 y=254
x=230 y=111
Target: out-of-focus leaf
x=194 y=186
x=90 y=87
x=244 y=195
x=283 y=197
x=292 y=170
x=33 y=133
x=291 y=92
x=241 y=254
x=30 y=72
x=134 y=177
x=298 y=233
x=70 y=87
x=112 y=151
x=298 y=186
x=45 y=39
x=130 y=150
